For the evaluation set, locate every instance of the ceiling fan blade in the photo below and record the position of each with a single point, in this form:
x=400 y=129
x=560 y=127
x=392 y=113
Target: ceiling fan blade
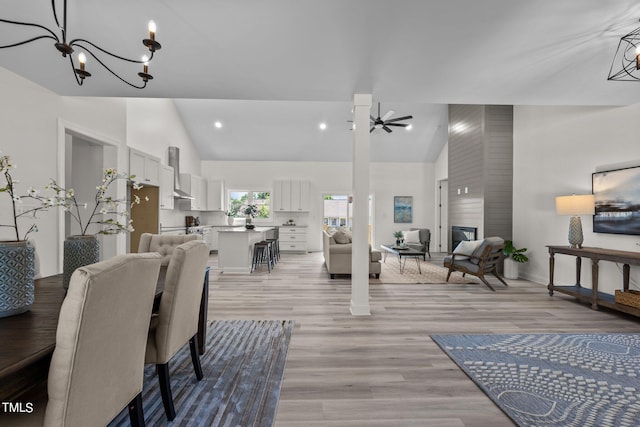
x=373 y=119
x=372 y=129
x=386 y=128
x=389 y=114
x=404 y=125
x=400 y=118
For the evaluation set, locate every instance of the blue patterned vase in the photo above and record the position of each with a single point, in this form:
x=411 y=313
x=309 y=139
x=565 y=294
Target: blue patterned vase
x=78 y=252
x=17 y=269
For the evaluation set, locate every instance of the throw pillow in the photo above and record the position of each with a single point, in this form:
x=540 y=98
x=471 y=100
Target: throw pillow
x=466 y=248
x=412 y=236
x=341 y=237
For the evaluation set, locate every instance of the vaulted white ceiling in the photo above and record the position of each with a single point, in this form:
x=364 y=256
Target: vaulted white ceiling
x=271 y=71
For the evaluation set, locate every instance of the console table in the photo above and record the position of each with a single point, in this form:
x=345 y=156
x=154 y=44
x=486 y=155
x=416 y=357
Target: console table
x=592 y=295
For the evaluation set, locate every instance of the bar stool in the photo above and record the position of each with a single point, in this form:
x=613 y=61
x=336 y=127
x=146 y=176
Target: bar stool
x=273 y=250
x=261 y=255
x=275 y=243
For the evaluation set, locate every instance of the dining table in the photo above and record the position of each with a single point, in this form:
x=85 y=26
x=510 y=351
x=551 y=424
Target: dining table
x=27 y=340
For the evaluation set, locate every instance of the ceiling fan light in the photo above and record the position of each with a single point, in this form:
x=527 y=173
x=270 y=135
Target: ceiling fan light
x=218 y=125
x=322 y=126
x=409 y=127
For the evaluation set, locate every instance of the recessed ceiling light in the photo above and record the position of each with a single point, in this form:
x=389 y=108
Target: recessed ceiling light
x=218 y=125
x=323 y=126
x=409 y=127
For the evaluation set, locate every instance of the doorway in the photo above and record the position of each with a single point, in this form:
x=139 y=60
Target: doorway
x=337 y=211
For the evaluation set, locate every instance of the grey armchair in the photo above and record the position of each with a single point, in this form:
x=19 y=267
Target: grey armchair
x=483 y=260
x=425 y=241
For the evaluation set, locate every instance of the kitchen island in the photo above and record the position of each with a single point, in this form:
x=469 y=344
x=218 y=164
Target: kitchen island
x=235 y=247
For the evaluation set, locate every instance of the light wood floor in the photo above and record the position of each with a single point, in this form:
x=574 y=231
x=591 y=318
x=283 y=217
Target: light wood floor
x=384 y=370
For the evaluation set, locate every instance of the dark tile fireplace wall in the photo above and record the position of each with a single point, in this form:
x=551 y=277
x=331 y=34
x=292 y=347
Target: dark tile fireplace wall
x=458 y=234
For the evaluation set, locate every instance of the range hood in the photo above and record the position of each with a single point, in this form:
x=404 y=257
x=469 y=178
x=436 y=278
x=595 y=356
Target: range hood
x=174 y=162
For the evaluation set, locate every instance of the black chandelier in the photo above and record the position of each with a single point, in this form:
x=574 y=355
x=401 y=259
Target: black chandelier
x=67 y=48
x=626 y=62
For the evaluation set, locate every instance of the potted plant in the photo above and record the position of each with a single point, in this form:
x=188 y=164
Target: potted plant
x=513 y=258
x=111 y=214
x=250 y=211
x=17 y=255
x=399 y=237
x=230 y=216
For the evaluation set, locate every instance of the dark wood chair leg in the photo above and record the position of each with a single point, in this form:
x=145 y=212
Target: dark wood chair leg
x=481 y=277
x=136 y=412
x=495 y=273
x=195 y=357
x=449 y=273
x=165 y=390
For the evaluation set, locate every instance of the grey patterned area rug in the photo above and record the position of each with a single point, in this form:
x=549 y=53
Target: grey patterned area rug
x=568 y=380
x=243 y=367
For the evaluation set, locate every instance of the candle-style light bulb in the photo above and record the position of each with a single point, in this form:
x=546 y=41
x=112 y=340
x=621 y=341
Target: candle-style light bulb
x=82 y=59
x=145 y=62
x=152 y=30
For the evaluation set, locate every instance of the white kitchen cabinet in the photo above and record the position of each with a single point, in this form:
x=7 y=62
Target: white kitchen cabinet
x=196 y=187
x=300 y=195
x=145 y=167
x=292 y=239
x=166 y=187
x=214 y=239
x=215 y=195
x=291 y=195
x=282 y=195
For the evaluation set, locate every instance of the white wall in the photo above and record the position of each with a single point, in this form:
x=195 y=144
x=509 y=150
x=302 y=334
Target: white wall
x=387 y=180
x=556 y=149
x=152 y=126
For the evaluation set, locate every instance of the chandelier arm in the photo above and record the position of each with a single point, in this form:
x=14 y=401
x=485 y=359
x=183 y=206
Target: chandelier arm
x=28 y=41
x=55 y=15
x=29 y=24
x=73 y=69
x=109 y=69
x=74 y=42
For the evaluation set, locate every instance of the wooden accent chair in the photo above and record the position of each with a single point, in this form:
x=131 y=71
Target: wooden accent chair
x=97 y=366
x=483 y=260
x=176 y=322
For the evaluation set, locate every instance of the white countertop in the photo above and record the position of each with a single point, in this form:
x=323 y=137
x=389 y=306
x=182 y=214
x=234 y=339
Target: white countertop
x=244 y=230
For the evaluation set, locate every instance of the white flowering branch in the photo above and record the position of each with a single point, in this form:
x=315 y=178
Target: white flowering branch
x=104 y=205
x=10 y=189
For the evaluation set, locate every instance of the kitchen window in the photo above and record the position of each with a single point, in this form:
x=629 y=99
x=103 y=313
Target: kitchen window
x=240 y=199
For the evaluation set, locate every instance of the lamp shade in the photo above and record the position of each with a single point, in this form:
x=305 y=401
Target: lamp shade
x=575 y=205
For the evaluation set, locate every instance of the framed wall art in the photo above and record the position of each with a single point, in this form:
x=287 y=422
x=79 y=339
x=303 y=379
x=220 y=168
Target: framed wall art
x=617 y=198
x=402 y=209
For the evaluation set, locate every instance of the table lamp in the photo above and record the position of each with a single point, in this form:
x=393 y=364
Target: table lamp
x=575 y=205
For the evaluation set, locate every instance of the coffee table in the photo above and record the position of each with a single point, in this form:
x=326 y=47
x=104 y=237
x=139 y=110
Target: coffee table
x=403 y=252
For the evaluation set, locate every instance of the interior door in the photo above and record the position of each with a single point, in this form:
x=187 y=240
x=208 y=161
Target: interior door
x=145 y=215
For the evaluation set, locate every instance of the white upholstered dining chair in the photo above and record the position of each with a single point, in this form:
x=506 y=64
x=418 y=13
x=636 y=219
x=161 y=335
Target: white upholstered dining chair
x=98 y=363
x=176 y=322
x=163 y=244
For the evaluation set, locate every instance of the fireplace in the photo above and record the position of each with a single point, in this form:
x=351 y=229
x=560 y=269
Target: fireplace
x=458 y=234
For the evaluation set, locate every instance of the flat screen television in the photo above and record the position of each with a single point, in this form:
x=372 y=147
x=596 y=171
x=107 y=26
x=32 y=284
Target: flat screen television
x=617 y=200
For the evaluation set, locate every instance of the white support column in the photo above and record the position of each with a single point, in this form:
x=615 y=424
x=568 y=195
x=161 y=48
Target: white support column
x=360 y=188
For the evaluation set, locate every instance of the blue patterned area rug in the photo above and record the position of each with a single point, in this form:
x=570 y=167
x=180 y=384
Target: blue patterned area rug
x=243 y=367
x=568 y=380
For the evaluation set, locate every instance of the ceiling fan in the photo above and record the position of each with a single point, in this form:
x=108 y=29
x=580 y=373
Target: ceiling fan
x=384 y=122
